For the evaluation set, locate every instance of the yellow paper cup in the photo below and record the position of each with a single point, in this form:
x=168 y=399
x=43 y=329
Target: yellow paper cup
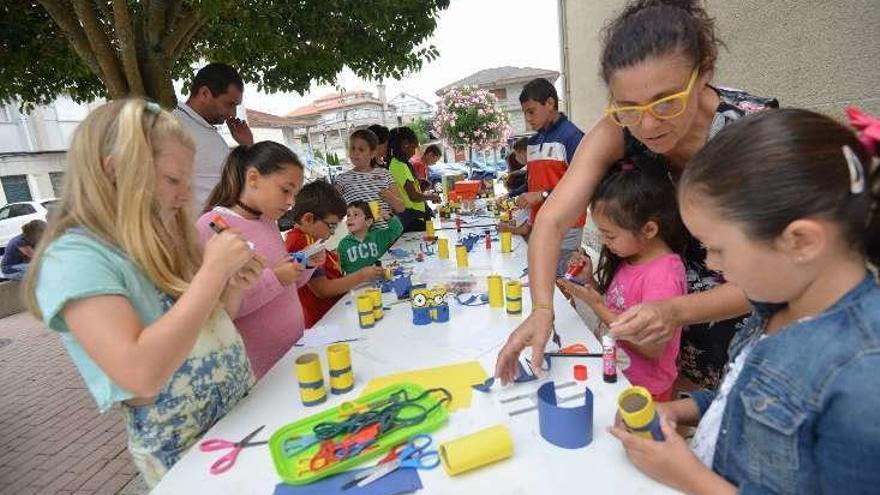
x=443 y=249
x=429 y=228
x=376 y=296
x=476 y=450
x=311 y=379
x=496 y=291
x=339 y=362
x=506 y=241
x=366 y=317
x=461 y=256
x=374 y=209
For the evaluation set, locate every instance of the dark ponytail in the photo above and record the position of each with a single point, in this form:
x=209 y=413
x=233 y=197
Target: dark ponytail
x=872 y=233
x=771 y=168
x=267 y=157
x=636 y=191
x=653 y=28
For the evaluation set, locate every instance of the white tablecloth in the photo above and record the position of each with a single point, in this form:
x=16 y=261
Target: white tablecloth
x=394 y=345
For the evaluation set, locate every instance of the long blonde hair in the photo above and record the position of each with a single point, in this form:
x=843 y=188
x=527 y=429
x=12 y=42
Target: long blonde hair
x=118 y=203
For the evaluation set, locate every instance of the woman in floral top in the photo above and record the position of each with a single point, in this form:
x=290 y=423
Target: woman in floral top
x=658 y=61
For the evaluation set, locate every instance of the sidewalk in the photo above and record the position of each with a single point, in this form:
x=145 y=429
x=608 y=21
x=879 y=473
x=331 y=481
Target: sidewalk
x=52 y=439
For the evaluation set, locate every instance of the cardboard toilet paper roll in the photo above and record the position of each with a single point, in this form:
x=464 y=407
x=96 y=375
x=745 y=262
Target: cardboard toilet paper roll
x=476 y=450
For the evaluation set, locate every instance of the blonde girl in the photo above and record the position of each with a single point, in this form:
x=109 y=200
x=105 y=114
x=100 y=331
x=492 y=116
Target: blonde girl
x=143 y=313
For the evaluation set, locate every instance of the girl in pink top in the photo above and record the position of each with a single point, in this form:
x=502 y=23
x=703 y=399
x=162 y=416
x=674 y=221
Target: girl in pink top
x=635 y=209
x=258 y=185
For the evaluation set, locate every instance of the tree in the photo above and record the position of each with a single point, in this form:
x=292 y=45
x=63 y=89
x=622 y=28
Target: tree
x=115 y=48
x=422 y=129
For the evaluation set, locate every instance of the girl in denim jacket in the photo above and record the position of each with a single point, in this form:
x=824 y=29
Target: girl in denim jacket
x=783 y=203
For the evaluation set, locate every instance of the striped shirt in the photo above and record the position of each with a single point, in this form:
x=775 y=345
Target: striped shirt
x=365 y=186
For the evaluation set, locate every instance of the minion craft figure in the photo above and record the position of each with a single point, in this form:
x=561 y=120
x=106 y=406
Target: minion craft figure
x=429 y=304
x=439 y=305
x=420 y=298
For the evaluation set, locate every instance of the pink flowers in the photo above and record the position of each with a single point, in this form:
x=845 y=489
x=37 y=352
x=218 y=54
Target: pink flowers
x=468 y=118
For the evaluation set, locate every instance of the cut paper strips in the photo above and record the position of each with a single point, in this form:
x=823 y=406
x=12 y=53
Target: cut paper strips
x=566 y=427
x=524 y=375
x=397 y=482
x=457 y=378
x=322 y=335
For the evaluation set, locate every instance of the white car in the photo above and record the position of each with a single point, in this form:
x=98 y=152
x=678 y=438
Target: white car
x=14 y=215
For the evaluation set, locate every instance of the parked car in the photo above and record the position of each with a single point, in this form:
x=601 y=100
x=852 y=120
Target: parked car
x=440 y=169
x=14 y=215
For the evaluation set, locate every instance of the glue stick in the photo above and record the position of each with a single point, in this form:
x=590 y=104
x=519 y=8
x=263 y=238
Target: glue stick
x=609 y=359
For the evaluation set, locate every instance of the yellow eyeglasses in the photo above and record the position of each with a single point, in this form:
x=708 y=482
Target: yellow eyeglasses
x=665 y=108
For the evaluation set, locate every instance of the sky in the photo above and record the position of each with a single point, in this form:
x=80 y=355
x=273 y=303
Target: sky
x=471 y=35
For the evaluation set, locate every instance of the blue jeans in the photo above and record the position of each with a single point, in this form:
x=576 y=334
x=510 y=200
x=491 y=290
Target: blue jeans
x=15 y=272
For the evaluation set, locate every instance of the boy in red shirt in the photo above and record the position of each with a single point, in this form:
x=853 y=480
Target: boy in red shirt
x=317 y=211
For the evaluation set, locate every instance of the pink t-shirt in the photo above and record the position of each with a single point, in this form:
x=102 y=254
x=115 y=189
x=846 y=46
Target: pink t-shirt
x=656 y=280
x=270 y=319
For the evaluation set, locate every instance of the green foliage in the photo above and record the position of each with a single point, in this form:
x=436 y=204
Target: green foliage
x=36 y=61
x=421 y=127
x=279 y=45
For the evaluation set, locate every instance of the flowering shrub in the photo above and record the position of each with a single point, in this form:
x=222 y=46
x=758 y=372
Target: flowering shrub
x=467 y=118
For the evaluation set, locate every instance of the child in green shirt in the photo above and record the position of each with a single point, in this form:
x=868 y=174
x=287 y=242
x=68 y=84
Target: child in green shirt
x=363 y=246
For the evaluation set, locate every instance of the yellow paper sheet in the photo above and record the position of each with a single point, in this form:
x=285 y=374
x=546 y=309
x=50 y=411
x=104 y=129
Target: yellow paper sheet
x=457 y=378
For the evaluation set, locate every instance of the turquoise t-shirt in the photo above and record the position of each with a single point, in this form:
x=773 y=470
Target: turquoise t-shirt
x=77 y=266
x=211 y=380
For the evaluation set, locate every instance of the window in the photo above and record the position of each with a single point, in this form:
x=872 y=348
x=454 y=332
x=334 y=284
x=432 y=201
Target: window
x=16 y=188
x=57 y=179
x=21 y=210
x=4 y=212
x=500 y=93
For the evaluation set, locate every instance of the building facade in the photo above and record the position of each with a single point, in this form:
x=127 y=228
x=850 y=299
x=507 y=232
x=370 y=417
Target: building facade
x=336 y=116
x=506 y=83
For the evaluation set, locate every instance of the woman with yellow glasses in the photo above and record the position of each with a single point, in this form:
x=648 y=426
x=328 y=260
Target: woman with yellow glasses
x=658 y=59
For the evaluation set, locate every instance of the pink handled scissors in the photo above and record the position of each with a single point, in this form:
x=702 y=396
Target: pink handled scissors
x=227 y=461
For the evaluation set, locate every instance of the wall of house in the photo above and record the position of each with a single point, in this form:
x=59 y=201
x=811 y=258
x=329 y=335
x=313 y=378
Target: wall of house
x=807 y=53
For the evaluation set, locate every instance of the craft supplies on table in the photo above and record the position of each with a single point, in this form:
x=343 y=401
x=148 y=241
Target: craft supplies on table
x=399 y=482
x=339 y=363
x=226 y=462
x=476 y=450
x=496 y=291
x=566 y=427
x=328 y=443
x=411 y=455
x=513 y=295
x=311 y=379
x=376 y=296
x=461 y=255
x=636 y=407
x=506 y=242
x=365 y=309
x=457 y=378
x=443 y=248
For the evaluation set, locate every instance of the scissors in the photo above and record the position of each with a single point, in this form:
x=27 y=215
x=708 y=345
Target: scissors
x=294 y=445
x=227 y=461
x=412 y=456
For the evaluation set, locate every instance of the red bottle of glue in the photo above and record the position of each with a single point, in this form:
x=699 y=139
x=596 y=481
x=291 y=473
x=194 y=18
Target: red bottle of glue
x=458 y=224
x=488 y=239
x=575 y=270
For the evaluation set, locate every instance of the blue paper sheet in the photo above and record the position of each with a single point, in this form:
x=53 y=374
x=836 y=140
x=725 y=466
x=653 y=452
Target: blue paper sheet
x=566 y=427
x=396 y=482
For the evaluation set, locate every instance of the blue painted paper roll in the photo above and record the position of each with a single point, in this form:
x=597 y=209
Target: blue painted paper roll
x=566 y=427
